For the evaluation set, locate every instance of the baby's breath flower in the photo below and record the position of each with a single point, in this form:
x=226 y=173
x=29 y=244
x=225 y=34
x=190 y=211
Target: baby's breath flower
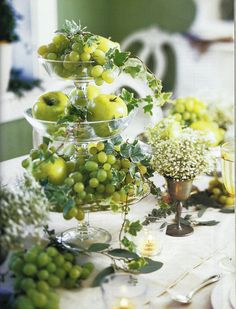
x=23 y=212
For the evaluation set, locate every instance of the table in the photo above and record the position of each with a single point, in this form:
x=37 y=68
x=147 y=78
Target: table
x=207 y=245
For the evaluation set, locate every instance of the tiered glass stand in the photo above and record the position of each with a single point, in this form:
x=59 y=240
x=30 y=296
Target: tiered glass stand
x=79 y=133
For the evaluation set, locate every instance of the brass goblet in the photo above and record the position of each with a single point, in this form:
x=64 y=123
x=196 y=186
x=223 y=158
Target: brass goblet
x=179 y=191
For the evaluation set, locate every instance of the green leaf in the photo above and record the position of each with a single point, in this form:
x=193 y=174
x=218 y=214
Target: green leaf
x=122 y=253
x=133 y=70
x=120 y=57
x=117 y=140
x=134 y=228
x=130 y=245
x=184 y=221
x=201 y=211
x=100 y=277
x=117 y=176
x=109 y=148
x=125 y=150
x=97 y=247
x=151 y=266
x=207 y=223
x=227 y=210
x=202 y=198
x=70 y=204
x=137 y=153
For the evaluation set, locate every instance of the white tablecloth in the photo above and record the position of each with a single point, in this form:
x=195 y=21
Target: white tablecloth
x=179 y=255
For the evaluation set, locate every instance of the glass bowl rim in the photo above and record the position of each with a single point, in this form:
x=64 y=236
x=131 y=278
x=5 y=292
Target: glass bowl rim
x=83 y=123
x=41 y=59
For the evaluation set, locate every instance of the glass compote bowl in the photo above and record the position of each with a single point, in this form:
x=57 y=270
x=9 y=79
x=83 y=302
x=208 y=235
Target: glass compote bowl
x=228 y=166
x=80 y=133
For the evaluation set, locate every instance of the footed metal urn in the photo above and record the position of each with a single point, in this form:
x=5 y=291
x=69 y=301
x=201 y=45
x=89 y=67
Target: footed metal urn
x=179 y=191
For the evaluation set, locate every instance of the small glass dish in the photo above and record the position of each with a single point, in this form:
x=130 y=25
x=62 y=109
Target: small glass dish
x=79 y=132
x=123 y=291
x=150 y=240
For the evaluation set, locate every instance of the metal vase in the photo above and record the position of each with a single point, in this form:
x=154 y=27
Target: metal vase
x=179 y=191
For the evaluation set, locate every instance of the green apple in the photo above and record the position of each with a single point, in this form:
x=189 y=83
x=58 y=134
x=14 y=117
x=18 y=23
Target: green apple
x=55 y=172
x=50 y=106
x=211 y=131
x=107 y=107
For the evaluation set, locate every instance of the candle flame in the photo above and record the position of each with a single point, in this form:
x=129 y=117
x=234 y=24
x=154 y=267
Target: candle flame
x=124 y=302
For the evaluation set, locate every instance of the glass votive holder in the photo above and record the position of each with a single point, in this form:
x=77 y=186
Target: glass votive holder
x=123 y=291
x=149 y=241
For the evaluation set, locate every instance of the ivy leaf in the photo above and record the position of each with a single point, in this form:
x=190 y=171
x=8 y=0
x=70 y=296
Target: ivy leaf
x=97 y=247
x=122 y=253
x=184 y=221
x=227 y=210
x=104 y=273
x=117 y=140
x=134 y=228
x=129 y=99
x=207 y=223
x=125 y=150
x=120 y=58
x=128 y=244
x=109 y=148
x=151 y=266
x=137 y=153
x=133 y=70
x=70 y=204
x=201 y=211
x=203 y=199
x=117 y=176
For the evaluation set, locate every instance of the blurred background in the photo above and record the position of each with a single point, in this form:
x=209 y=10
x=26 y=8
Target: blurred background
x=186 y=43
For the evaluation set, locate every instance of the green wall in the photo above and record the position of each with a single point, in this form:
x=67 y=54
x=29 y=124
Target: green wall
x=15 y=139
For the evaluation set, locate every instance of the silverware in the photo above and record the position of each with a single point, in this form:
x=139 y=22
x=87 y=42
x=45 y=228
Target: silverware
x=186 y=299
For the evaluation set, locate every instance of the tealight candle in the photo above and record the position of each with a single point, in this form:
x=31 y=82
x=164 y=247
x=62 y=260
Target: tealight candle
x=124 y=303
x=148 y=246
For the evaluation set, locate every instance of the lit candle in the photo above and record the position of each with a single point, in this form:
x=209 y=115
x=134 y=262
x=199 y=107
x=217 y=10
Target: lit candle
x=124 y=303
x=148 y=246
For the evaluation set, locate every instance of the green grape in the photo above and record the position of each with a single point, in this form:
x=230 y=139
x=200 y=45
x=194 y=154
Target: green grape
x=82 y=194
x=116 y=196
x=70 y=165
x=107 y=166
x=69 y=257
x=89 y=266
x=90 y=190
x=60 y=273
x=143 y=169
x=89 y=198
x=91 y=166
x=99 y=56
x=52 y=56
x=229 y=201
x=108 y=76
x=78 y=47
x=111 y=159
x=51 y=305
x=29 y=269
x=100 y=188
x=77 y=176
x=23 y=302
x=178 y=117
x=102 y=157
x=39 y=299
x=186 y=115
x=71 y=213
x=80 y=161
x=80 y=215
x=26 y=163
x=93 y=150
x=179 y=107
x=52 y=296
x=97 y=71
x=74 y=273
x=109 y=175
x=67 y=266
x=69 y=181
x=222 y=199
x=216 y=191
x=98 y=81
x=43 y=259
x=100 y=146
x=85 y=56
x=125 y=163
x=189 y=105
x=54 y=281
x=110 y=188
x=84 y=274
x=93 y=182
x=90 y=48
x=43 y=274
x=42 y=286
x=30 y=256
x=101 y=175
x=52 y=48
x=59 y=260
x=27 y=283
x=42 y=50
x=104 y=44
x=17 y=283
x=79 y=187
x=123 y=195
x=74 y=56
x=69 y=283
x=51 y=267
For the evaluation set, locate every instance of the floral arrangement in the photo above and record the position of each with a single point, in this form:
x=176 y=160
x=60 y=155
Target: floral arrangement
x=8 y=22
x=180 y=154
x=24 y=211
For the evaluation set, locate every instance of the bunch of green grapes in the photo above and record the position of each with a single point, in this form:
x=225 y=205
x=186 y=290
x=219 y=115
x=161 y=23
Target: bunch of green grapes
x=218 y=192
x=40 y=270
x=102 y=176
x=81 y=53
x=189 y=110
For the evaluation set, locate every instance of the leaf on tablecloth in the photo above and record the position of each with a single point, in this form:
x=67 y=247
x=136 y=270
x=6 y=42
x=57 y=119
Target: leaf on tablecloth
x=97 y=247
x=99 y=278
x=207 y=223
x=122 y=253
x=227 y=210
x=151 y=266
x=202 y=198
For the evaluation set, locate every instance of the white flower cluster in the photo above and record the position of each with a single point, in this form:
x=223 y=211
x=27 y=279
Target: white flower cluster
x=23 y=212
x=182 y=157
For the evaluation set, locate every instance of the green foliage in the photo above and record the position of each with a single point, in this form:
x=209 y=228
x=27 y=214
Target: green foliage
x=8 y=21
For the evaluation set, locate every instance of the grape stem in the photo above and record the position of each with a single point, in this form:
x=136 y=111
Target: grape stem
x=124 y=219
